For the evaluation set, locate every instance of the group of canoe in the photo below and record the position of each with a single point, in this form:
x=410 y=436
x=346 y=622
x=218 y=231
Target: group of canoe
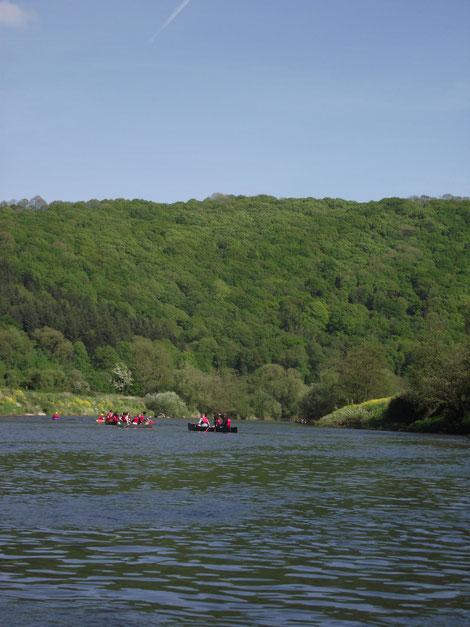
x=222 y=423
x=116 y=419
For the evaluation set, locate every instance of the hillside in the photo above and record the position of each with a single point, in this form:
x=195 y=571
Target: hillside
x=229 y=283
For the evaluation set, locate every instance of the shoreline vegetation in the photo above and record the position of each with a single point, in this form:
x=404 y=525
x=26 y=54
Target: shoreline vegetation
x=31 y=403
x=296 y=309
x=370 y=415
x=379 y=415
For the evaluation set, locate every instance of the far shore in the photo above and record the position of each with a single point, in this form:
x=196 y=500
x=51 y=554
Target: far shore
x=370 y=415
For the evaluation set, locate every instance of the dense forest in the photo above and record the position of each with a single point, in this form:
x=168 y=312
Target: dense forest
x=256 y=305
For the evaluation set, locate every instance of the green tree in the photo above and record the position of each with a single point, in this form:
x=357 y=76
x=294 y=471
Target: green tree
x=15 y=348
x=285 y=386
x=224 y=391
x=364 y=374
x=189 y=380
x=440 y=378
x=53 y=342
x=215 y=284
x=151 y=365
x=47 y=379
x=264 y=405
x=16 y=355
x=168 y=404
x=105 y=358
x=321 y=398
x=77 y=382
x=121 y=379
x=81 y=360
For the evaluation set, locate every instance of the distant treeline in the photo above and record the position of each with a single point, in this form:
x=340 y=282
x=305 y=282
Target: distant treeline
x=255 y=305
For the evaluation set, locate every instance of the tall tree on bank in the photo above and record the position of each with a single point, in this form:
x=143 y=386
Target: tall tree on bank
x=364 y=374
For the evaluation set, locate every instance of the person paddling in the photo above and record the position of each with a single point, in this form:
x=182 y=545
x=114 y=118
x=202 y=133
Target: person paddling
x=55 y=416
x=204 y=421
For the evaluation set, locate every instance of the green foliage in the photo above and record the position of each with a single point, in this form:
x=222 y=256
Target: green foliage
x=168 y=404
x=80 y=359
x=151 y=365
x=441 y=424
x=232 y=285
x=350 y=416
x=403 y=410
x=223 y=391
x=367 y=415
x=121 y=379
x=54 y=343
x=359 y=375
x=363 y=374
x=47 y=379
x=265 y=406
x=321 y=398
x=16 y=349
x=77 y=382
x=440 y=380
x=438 y=397
x=19 y=402
x=277 y=390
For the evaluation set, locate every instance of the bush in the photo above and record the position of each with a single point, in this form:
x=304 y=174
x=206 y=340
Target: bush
x=367 y=415
x=441 y=424
x=352 y=416
x=167 y=403
x=47 y=379
x=403 y=410
x=77 y=382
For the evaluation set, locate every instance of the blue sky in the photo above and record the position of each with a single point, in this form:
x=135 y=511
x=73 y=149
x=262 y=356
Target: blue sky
x=169 y=100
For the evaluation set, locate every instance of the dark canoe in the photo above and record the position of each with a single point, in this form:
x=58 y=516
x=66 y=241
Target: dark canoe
x=195 y=427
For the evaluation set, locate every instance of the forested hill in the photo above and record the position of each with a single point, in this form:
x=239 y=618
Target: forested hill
x=227 y=283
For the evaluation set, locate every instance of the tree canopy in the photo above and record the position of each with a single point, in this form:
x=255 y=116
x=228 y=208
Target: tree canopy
x=242 y=287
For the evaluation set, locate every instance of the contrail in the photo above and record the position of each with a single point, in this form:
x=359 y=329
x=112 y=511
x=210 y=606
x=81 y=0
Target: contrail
x=170 y=19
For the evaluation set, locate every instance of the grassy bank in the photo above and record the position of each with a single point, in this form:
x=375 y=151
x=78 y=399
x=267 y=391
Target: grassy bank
x=20 y=403
x=374 y=415
x=368 y=415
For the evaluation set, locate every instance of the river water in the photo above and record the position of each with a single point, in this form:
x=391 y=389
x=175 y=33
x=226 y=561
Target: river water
x=280 y=524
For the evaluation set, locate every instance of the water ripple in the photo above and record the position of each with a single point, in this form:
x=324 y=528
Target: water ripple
x=278 y=525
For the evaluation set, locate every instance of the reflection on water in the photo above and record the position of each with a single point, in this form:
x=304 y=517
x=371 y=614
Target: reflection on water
x=280 y=524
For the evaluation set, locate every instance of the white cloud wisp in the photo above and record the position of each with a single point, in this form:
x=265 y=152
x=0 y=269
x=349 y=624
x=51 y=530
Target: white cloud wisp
x=13 y=16
x=170 y=19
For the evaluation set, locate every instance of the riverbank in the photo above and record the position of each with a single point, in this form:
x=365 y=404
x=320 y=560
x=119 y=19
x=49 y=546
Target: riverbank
x=375 y=415
x=23 y=403
x=372 y=415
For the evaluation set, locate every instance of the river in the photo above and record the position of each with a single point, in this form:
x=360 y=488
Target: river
x=279 y=524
